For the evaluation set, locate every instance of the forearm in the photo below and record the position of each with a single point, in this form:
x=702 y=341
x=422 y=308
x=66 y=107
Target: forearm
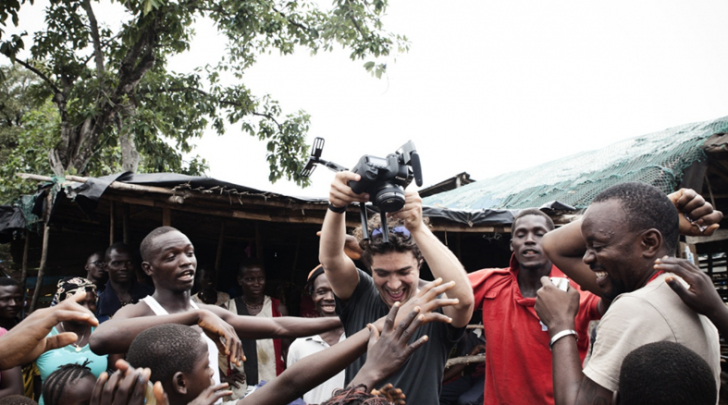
x=310 y=372
x=116 y=335
x=11 y=382
x=719 y=317
x=567 y=372
x=444 y=264
x=340 y=270
x=565 y=247
x=252 y=327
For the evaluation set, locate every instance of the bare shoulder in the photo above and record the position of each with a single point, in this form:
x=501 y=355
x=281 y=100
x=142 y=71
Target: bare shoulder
x=134 y=311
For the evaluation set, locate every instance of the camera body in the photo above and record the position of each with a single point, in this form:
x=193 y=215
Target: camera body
x=384 y=179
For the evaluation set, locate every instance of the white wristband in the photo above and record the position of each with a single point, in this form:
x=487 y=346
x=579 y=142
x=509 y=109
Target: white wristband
x=561 y=334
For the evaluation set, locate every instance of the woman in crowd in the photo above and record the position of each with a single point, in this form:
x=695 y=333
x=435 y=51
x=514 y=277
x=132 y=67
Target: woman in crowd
x=78 y=352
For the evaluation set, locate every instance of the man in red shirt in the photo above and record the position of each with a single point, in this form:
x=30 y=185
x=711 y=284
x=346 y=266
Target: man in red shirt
x=518 y=359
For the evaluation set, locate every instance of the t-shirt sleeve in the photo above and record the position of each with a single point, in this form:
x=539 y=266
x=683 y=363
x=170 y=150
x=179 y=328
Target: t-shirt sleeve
x=365 y=286
x=293 y=355
x=631 y=322
x=478 y=280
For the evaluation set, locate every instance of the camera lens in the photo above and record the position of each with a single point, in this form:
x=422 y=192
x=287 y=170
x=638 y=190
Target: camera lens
x=389 y=197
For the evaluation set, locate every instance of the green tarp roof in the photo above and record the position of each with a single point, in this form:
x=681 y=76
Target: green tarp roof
x=658 y=159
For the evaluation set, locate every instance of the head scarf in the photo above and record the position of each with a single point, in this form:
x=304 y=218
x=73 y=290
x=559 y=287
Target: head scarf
x=70 y=286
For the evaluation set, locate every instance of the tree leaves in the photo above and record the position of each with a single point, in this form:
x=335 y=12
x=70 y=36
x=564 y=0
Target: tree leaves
x=136 y=93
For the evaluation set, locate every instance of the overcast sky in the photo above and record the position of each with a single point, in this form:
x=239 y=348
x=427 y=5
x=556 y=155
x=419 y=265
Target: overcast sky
x=487 y=86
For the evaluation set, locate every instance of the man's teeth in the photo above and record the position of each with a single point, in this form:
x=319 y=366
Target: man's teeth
x=397 y=292
x=600 y=274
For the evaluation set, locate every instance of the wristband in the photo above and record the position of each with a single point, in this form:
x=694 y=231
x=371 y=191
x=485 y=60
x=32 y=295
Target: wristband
x=338 y=210
x=565 y=332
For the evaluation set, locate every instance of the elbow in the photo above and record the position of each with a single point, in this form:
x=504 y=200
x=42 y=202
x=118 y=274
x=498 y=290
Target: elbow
x=96 y=344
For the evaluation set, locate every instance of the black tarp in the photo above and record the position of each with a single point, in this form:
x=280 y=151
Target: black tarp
x=11 y=220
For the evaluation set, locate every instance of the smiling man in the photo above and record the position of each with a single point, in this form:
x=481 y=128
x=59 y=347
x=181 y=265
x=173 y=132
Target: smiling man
x=518 y=369
x=395 y=266
x=613 y=251
x=11 y=302
x=322 y=295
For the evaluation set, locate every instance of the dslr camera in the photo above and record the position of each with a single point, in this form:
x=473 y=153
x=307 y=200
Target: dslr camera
x=384 y=179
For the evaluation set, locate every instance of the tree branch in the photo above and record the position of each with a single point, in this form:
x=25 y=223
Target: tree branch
x=96 y=41
x=290 y=21
x=39 y=73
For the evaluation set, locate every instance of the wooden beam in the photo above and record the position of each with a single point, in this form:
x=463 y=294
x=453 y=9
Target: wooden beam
x=465 y=360
x=166 y=216
x=24 y=271
x=125 y=222
x=44 y=251
x=468 y=229
x=221 y=240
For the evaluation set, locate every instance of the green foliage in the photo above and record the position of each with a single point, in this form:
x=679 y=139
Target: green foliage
x=108 y=83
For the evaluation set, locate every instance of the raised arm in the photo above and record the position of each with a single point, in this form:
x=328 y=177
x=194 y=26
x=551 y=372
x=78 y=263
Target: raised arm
x=442 y=262
x=339 y=268
x=565 y=247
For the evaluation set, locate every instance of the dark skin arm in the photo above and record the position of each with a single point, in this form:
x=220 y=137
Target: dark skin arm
x=388 y=353
x=116 y=335
x=253 y=327
x=557 y=310
x=11 y=382
x=700 y=295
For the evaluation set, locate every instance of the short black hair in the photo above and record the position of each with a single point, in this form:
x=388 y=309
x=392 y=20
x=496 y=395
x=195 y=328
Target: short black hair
x=166 y=350
x=119 y=247
x=17 y=400
x=7 y=281
x=646 y=207
x=145 y=249
x=62 y=378
x=666 y=373
x=248 y=263
x=535 y=212
x=358 y=395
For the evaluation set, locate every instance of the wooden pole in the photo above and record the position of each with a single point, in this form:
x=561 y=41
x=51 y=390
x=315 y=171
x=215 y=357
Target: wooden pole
x=44 y=251
x=218 y=256
x=258 y=242
x=125 y=222
x=24 y=273
x=465 y=360
x=111 y=223
x=166 y=217
x=295 y=259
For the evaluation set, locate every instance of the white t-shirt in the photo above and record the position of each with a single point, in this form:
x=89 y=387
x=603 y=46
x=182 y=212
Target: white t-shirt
x=303 y=347
x=654 y=313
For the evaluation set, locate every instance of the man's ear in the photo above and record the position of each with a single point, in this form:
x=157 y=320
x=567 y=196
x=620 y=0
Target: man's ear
x=147 y=268
x=179 y=383
x=615 y=398
x=651 y=243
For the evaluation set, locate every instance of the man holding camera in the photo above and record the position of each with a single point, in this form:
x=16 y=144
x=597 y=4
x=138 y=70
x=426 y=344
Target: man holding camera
x=395 y=267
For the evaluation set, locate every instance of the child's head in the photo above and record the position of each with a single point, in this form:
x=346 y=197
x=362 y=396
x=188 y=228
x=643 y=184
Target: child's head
x=17 y=400
x=665 y=373
x=70 y=384
x=178 y=358
x=355 y=396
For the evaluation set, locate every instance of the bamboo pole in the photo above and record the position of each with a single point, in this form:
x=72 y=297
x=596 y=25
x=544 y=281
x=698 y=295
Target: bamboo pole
x=218 y=255
x=465 y=360
x=44 y=251
x=125 y=222
x=111 y=223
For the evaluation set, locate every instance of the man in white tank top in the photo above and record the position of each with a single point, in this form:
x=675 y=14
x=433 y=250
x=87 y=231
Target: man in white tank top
x=169 y=258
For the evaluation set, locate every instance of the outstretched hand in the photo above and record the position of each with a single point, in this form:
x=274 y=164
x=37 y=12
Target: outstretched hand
x=698 y=218
x=428 y=300
x=127 y=386
x=223 y=334
x=27 y=340
x=389 y=350
x=700 y=294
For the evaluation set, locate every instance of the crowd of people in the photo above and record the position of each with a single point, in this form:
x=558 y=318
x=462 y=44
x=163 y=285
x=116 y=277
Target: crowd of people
x=381 y=334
